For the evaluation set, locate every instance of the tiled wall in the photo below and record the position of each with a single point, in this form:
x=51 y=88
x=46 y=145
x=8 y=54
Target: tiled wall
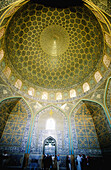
x=85 y=133
x=101 y=125
x=15 y=123
x=108 y=96
x=84 y=137
x=60 y=133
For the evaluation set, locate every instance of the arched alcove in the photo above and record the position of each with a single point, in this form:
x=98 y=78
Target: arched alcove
x=15 y=118
x=59 y=133
x=107 y=97
x=101 y=125
x=90 y=129
x=49 y=146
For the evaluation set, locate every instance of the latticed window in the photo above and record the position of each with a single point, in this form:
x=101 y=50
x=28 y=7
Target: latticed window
x=1 y=54
x=108 y=39
x=86 y=87
x=72 y=93
x=7 y=72
x=31 y=91
x=98 y=76
x=58 y=96
x=18 y=84
x=45 y=95
x=106 y=60
x=2 y=32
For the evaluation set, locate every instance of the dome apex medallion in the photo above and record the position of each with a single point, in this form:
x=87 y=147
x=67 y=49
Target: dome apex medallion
x=54 y=40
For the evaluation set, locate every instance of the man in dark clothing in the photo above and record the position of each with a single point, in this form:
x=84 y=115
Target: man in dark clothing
x=84 y=162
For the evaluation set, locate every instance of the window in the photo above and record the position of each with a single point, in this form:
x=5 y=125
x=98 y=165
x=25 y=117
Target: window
x=18 y=84
x=50 y=124
x=31 y=91
x=86 y=87
x=7 y=72
x=108 y=39
x=2 y=32
x=98 y=76
x=58 y=96
x=1 y=54
x=106 y=61
x=45 y=95
x=72 y=93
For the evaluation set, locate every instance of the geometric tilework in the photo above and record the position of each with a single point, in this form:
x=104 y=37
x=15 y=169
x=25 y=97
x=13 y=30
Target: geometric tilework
x=35 y=61
x=5 y=3
x=6 y=107
x=40 y=133
x=15 y=126
x=4 y=91
x=101 y=124
x=85 y=130
x=2 y=123
x=108 y=97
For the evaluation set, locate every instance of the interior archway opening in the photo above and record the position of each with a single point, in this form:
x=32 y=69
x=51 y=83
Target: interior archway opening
x=49 y=146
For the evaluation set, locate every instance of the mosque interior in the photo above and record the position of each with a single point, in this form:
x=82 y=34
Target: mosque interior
x=55 y=79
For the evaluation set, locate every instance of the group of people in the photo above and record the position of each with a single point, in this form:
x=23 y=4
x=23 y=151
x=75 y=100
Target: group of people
x=50 y=162
x=83 y=162
x=68 y=162
x=4 y=160
x=80 y=163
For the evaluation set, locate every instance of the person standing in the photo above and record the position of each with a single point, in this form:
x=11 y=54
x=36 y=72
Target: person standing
x=72 y=162
x=45 y=161
x=58 y=161
x=69 y=162
x=84 y=162
x=42 y=162
x=26 y=159
x=55 y=163
x=5 y=158
x=50 y=161
x=79 y=160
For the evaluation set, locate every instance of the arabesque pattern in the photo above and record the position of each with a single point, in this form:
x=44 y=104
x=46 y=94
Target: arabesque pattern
x=14 y=126
x=85 y=129
x=101 y=124
x=53 y=69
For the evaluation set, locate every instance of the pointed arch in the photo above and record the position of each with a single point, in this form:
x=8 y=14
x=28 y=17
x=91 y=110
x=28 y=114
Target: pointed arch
x=105 y=100
x=40 y=118
x=51 y=105
x=16 y=114
x=19 y=98
x=83 y=100
x=51 y=140
x=98 y=114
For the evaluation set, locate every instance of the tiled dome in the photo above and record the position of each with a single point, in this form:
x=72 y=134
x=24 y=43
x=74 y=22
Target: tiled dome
x=53 y=48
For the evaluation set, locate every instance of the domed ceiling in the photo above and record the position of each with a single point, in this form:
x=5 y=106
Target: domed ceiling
x=53 y=48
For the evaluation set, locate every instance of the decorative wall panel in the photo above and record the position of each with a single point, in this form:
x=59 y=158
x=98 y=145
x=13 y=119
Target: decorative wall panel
x=40 y=132
x=84 y=135
x=4 y=91
x=74 y=45
x=15 y=126
x=6 y=107
x=101 y=124
x=15 y=122
x=108 y=97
